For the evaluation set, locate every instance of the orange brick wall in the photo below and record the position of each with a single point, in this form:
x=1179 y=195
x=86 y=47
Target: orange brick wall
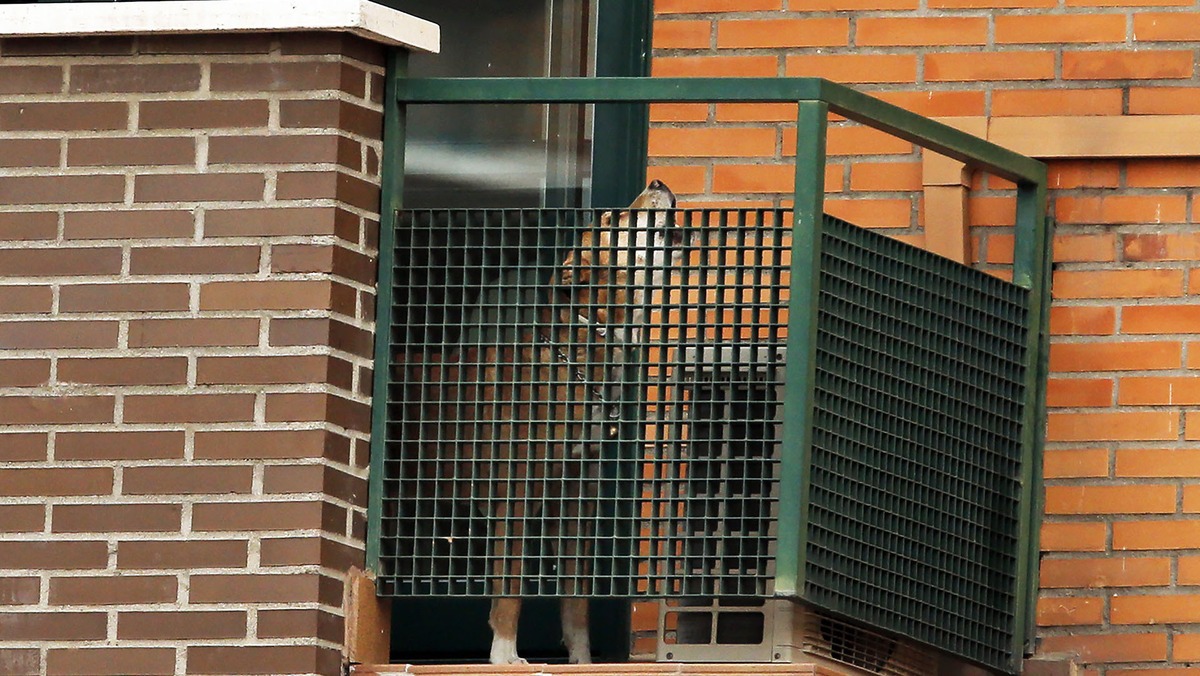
x=1121 y=576
x=187 y=237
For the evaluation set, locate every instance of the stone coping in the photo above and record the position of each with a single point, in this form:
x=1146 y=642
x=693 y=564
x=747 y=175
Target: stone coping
x=358 y=17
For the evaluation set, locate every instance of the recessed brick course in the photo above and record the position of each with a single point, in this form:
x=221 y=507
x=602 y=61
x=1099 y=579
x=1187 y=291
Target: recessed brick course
x=120 y=152
x=351 y=339
x=64 y=116
x=181 y=260
x=56 y=482
x=141 y=77
x=266 y=444
x=198 y=187
x=24 y=446
x=28 y=225
x=55 y=626
x=24 y=372
x=21 y=661
x=289 y=149
x=181 y=625
x=120 y=224
x=285 y=551
x=261 y=370
x=31 y=79
x=60 y=410
x=116 y=518
x=300 y=624
x=276 y=76
x=26 y=299
x=189 y=408
x=203 y=114
x=33 y=152
x=110 y=661
x=334 y=43
x=119 y=445
x=123 y=297
x=60 y=262
x=297 y=407
x=271 y=295
x=17 y=591
x=109 y=590
x=59 y=189
x=46 y=555
x=124 y=370
x=314 y=479
x=281 y=221
x=188 y=480
x=168 y=554
x=263 y=659
x=193 y=332
x=57 y=334
x=257 y=516
x=325 y=185
x=330 y=114
x=255 y=588
x=22 y=518
x=72 y=46
x=215 y=43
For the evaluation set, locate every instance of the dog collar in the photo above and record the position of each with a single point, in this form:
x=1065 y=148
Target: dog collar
x=612 y=410
x=600 y=329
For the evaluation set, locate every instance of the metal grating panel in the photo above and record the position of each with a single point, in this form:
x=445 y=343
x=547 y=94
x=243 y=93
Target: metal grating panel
x=916 y=459
x=546 y=439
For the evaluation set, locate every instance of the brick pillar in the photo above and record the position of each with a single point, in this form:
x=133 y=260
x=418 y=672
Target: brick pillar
x=188 y=231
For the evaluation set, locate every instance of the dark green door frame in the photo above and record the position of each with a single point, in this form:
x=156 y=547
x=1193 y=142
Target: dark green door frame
x=618 y=174
x=623 y=34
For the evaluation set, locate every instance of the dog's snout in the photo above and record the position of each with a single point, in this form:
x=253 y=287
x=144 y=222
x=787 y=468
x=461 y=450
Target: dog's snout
x=658 y=186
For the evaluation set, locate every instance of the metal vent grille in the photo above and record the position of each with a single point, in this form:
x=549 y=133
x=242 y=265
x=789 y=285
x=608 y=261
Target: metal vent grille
x=916 y=459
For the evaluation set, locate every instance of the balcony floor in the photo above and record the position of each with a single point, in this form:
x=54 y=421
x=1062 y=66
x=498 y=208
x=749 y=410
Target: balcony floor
x=602 y=670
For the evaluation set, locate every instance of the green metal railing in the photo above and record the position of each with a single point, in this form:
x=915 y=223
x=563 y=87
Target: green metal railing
x=810 y=560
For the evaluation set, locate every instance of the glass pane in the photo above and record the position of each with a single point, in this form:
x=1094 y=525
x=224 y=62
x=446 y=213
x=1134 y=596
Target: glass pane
x=501 y=155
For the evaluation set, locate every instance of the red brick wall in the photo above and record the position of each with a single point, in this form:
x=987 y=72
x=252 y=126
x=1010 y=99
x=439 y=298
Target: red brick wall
x=1121 y=572
x=188 y=229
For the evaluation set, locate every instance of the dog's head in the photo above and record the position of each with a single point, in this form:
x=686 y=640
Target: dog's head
x=631 y=253
x=646 y=231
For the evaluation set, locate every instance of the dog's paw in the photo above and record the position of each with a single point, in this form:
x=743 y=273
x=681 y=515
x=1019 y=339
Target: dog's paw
x=580 y=659
x=504 y=651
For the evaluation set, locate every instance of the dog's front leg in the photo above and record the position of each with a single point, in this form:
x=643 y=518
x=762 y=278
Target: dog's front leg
x=503 y=621
x=575 y=630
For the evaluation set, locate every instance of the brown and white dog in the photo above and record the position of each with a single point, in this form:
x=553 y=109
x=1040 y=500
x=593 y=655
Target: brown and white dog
x=568 y=374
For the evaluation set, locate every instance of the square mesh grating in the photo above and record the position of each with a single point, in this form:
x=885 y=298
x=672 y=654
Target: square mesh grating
x=613 y=431
x=564 y=420
x=916 y=460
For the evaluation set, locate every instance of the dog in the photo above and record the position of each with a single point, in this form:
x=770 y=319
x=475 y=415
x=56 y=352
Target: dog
x=552 y=391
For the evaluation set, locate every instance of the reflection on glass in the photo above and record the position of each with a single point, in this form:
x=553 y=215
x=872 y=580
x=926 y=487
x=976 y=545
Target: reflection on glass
x=501 y=155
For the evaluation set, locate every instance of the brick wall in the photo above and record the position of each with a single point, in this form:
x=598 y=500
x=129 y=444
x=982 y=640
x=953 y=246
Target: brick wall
x=187 y=237
x=1121 y=577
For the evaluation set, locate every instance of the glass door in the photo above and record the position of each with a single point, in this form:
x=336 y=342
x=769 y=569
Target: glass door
x=463 y=156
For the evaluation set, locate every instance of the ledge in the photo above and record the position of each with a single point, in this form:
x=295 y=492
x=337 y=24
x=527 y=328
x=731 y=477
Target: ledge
x=626 y=669
x=358 y=17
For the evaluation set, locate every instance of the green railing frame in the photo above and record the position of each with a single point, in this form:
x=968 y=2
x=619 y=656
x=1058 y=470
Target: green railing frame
x=815 y=99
